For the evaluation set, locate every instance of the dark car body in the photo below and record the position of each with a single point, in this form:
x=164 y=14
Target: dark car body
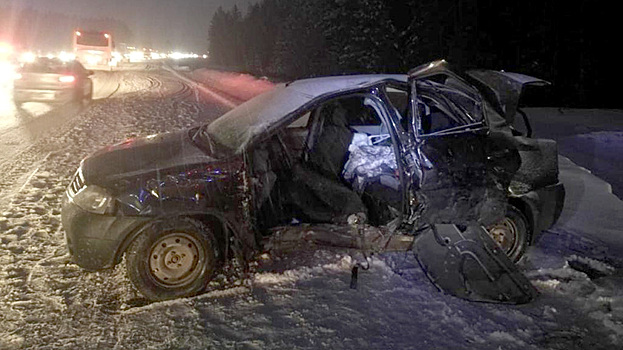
x=52 y=81
x=428 y=151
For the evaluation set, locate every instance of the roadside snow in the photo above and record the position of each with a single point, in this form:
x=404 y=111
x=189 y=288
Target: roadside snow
x=241 y=86
x=591 y=138
x=592 y=220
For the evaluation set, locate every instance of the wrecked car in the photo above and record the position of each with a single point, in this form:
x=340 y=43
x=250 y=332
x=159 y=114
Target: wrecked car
x=428 y=161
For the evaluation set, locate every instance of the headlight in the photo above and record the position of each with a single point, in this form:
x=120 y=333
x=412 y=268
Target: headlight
x=94 y=199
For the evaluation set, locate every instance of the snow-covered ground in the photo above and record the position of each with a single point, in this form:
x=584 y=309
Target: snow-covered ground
x=593 y=138
x=295 y=301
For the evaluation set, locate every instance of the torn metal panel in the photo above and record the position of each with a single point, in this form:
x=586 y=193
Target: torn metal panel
x=468 y=264
x=539 y=164
x=458 y=187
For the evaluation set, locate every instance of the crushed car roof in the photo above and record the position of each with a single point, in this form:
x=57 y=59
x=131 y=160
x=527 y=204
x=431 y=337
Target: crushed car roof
x=236 y=128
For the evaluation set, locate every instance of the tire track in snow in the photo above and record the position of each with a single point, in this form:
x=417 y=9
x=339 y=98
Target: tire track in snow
x=41 y=132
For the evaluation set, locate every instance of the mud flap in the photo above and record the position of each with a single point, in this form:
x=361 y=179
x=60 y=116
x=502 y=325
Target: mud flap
x=468 y=264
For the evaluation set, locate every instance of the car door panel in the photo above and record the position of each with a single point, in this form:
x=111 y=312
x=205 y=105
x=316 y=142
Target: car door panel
x=458 y=188
x=467 y=263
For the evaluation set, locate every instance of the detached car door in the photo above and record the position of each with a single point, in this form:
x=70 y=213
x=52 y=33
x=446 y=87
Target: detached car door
x=457 y=193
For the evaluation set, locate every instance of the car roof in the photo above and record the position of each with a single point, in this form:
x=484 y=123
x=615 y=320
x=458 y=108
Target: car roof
x=236 y=128
x=315 y=87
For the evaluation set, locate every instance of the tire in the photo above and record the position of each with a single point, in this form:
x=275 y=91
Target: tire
x=512 y=233
x=159 y=261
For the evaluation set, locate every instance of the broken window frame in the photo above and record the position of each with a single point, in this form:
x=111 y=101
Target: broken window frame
x=435 y=91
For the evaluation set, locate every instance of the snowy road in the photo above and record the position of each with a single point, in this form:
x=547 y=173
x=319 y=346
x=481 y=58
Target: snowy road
x=36 y=123
x=299 y=301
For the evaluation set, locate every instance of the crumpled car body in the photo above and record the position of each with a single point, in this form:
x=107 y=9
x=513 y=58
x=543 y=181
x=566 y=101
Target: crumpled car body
x=427 y=162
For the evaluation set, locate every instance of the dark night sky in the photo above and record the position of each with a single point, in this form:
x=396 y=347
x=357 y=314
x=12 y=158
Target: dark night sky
x=170 y=24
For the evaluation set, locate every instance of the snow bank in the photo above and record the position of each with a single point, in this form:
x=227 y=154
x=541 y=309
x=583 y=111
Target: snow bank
x=591 y=138
x=241 y=86
x=592 y=218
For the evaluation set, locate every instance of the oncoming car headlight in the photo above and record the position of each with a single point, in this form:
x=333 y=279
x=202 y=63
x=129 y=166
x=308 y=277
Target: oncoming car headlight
x=94 y=199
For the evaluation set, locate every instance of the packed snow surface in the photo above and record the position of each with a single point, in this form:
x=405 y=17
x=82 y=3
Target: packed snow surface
x=294 y=301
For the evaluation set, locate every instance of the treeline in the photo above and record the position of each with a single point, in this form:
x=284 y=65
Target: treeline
x=30 y=29
x=563 y=42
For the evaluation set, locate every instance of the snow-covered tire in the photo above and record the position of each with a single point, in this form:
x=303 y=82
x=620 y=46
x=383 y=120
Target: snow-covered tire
x=512 y=233
x=172 y=259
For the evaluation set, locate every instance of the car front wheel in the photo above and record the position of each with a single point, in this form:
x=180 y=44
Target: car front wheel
x=172 y=259
x=511 y=233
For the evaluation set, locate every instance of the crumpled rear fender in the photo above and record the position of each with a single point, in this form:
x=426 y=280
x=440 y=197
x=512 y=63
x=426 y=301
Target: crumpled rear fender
x=467 y=263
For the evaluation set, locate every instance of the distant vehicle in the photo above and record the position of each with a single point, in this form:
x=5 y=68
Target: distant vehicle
x=94 y=49
x=53 y=81
x=426 y=161
x=121 y=52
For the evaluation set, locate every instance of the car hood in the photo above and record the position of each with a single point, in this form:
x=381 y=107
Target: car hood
x=141 y=155
x=503 y=89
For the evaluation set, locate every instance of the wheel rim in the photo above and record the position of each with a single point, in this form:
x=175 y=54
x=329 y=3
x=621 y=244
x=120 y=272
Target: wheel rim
x=176 y=259
x=505 y=234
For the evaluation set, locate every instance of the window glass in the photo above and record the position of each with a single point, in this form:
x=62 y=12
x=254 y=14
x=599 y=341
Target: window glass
x=300 y=122
x=468 y=107
x=45 y=65
x=295 y=134
x=435 y=115
x=399 y=100
x=447 y=105
x=359 y=113
x=92 y=39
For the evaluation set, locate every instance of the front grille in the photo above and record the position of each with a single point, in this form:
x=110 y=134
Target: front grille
x=76 y=185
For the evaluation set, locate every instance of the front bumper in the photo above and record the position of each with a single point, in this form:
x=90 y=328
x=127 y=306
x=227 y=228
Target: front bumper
x=94 y=240
x=34 y=95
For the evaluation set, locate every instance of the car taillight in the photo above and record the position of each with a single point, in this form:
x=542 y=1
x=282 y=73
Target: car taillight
x=67 y=79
